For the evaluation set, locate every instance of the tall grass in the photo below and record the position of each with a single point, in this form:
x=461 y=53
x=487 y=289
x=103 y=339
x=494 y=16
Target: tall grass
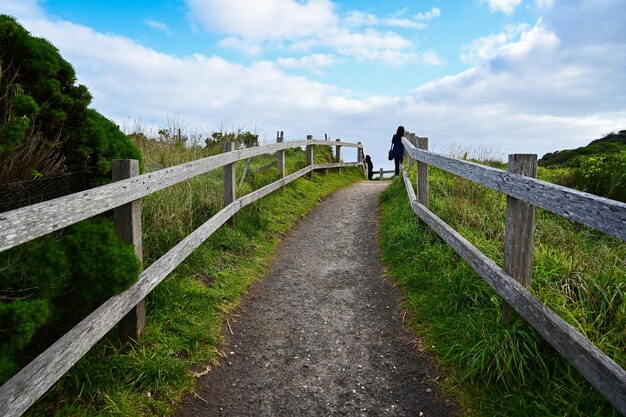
x=186 y=311
x=496 y=370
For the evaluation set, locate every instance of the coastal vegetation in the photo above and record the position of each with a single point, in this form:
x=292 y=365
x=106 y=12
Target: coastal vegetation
x=497 y=370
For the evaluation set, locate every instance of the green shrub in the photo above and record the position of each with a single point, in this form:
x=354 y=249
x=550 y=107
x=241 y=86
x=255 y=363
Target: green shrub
x=49 y=285
x=602 y=175
x=102 y=264
x=38 y=89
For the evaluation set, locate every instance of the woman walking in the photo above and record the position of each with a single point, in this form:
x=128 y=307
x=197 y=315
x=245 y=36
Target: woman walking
x=397 y=148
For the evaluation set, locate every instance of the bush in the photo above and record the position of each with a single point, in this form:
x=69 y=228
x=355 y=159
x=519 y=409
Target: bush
x=49 y=285
x=38 y=90
x=602 y=175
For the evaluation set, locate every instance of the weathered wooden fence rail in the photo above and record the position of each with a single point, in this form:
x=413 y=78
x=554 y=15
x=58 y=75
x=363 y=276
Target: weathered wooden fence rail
x=600 y=213
x=28 y=223
x=380 y=174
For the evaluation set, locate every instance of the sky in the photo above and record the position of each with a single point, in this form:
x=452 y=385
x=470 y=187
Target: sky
x=496 y=76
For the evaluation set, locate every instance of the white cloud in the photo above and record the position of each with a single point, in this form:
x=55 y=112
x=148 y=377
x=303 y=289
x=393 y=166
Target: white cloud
x=433 y=13
x=247 y=47
x=359 y=19
x=263 y=20
x=432 y=58
x=306 y=26
x=314 y=63
x=555 y=85
x=545 y=4
x=505 y=6
x=25 y=9
x=483 y=49
x=158 y=25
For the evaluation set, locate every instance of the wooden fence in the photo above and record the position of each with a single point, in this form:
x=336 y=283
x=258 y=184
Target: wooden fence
x=524 y=193
x=380 y=174
x=28 y=223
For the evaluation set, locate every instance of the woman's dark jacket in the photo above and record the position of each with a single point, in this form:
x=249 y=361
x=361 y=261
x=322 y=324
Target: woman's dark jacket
x=398 y=147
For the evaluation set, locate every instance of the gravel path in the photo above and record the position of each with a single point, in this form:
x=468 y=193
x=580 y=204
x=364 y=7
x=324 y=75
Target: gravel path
x=322 y=334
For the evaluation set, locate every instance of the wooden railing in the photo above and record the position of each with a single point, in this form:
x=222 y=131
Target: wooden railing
x=380 y=174
x=22 y=225
x=524 y=193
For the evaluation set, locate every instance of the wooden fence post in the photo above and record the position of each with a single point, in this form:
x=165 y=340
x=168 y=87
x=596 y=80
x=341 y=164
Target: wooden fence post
x=309 y=154
x=422 y=175
x=519 y=230
x=380 y=178
x=280 y=155
x=411 y=138
x=127 y=219
x=230 y=187
x=338 y=153
x=360 y=159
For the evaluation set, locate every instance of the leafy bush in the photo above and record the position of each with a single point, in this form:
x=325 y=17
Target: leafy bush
x=602 y=175
x=47 y=286
x=40 y=96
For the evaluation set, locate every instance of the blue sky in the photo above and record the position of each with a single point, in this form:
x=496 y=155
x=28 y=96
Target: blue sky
x=505 y=75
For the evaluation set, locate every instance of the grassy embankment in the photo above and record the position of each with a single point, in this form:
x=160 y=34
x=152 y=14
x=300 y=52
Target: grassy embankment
x=495 y=370
x=186 y=311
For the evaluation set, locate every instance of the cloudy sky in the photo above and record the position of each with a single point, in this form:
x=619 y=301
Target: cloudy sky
x=512 y=76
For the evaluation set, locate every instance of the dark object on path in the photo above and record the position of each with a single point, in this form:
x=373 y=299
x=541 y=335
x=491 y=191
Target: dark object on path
x=370 y=167
x=397 y=148
x=322 y=333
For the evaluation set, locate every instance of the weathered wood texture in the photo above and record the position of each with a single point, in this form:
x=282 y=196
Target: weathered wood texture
x=330 y=165
x=600 y=370
x=519 y=230
x=338 y=151
x=230 y=184
x=422 y=175
x=600 y=213
x=21 y=391
x=310 y=157
x=127 y=219
x=280 y=155
x=28 y=223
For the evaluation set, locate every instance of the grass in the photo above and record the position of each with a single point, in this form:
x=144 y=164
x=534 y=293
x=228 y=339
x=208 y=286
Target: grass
x=496 y=370
x=186 y=311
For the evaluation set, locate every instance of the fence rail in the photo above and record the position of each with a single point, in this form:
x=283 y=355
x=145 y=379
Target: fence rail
x=603 y=214
x=22 y=225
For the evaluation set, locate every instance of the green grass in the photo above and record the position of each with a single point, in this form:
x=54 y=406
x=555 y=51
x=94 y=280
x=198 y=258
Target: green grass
x=497 y=370
x=185 y=312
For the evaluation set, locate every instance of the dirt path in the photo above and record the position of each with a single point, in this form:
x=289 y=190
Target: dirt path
x=321 y=334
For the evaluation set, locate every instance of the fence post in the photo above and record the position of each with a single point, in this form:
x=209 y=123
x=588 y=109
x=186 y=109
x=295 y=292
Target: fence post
x=280 y=155
x=338 y=153
x=519 y=230
x=422 y=175
x=411 y=138
x=230 y=188
x=309 y=154
x=127 y=219
x=380 y=178
x=359 y=157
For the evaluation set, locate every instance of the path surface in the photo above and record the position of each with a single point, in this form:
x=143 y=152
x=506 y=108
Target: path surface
x=322 y=334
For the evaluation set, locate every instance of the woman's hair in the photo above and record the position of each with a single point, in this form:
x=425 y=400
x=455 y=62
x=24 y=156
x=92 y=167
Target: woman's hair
x=400 y=131
x=367 y=157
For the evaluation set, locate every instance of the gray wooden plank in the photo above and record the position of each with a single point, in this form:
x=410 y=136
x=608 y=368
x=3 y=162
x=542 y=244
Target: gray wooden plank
x=600 y=370
x=28 y=223
x=600 y=213
x=21 y=391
